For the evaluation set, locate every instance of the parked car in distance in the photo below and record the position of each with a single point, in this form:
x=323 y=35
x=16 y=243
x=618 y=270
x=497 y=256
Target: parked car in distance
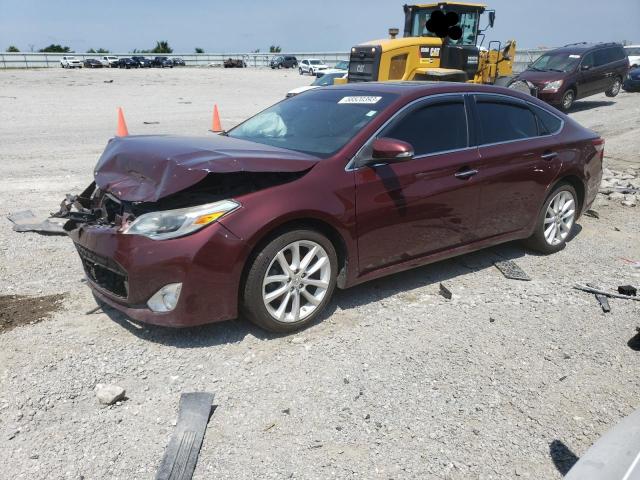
x=70 y=62
x=576 y=71
x=632 y=83
x=633 y=53
x=311 y=66
x=342 y=65
x=109 y=61
x=143 y=62
x=234 y=63
x=162 y=62
x=92 y=63
x=377 y=177
x=178 y=62
x=321 y=81
x=126 y=62
x=283 y=61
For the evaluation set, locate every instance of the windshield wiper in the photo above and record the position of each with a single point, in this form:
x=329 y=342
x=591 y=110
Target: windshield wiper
x=556 y=70
x=535 y=69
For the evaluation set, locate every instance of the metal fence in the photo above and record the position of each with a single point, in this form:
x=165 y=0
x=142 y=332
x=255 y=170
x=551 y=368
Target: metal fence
x=255 y=60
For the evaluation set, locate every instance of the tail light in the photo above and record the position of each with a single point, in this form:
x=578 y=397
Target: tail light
x=598 y=144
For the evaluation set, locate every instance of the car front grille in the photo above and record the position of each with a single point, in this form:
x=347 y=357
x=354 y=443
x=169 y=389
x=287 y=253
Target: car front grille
x=104 y=272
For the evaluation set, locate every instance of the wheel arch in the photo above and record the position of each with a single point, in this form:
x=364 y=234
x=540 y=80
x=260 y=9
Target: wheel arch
x=309 y=222
x=576 y=183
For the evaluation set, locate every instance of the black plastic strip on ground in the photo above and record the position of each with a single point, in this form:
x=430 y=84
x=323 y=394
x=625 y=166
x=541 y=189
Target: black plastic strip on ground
x=181 y=455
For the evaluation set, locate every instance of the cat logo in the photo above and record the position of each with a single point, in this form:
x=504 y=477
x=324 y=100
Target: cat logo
x=360 y=68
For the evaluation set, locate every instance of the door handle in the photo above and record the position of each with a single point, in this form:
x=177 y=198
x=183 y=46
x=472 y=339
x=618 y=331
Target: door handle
x=549 y=155
x=464 y=174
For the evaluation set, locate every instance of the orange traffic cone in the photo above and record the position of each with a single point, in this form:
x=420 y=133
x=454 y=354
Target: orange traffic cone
x=216 y=127
x=122 y=125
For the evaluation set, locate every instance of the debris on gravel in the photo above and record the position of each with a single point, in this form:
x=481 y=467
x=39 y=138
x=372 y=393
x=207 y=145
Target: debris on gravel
x=109 y=394
x=16 y=310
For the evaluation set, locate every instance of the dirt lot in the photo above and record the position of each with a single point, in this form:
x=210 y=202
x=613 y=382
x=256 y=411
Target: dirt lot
x=506 y=379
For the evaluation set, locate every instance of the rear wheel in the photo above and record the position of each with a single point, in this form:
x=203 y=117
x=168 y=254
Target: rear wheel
x=290 y=281
x=615 y=88
x=567 y=100
x=555 y=221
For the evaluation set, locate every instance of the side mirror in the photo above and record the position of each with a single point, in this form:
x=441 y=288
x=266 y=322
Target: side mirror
x=390 y=150
x=492 y=18
x=585 y=67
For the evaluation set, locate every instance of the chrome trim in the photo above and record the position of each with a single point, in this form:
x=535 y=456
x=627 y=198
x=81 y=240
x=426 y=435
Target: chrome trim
x=465 y=174
x=350 y=168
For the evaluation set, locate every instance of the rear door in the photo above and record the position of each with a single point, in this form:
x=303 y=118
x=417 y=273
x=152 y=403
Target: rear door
x=587 y=78
x=604 y=68
x=519 y=158
x=425 y=205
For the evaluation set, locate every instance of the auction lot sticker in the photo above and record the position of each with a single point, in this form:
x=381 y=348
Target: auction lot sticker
x=360 y=100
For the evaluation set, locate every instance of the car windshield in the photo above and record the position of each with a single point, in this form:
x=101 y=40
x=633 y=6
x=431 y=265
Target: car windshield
x=327 y=79
x=315 y=62
x=632 y=51
x=319 y=123
x=343 y=65
x=556 y=62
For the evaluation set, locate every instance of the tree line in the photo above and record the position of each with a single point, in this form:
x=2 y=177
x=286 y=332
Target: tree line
x=162 y=46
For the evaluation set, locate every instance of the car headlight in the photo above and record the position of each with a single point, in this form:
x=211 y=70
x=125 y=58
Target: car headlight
x=555 y=85
x=167 y=224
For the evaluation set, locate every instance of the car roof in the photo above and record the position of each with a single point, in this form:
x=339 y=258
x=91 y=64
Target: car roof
x=410 y=88
x=582 y=47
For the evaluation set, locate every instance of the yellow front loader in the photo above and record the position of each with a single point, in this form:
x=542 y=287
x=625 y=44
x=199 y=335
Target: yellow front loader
x=437 y=52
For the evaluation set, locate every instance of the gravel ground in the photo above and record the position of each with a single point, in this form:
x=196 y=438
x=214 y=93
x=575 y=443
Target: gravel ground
x=506 y=379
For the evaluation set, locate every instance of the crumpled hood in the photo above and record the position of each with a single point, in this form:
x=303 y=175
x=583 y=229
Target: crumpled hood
x=538 y=78
x=147 y=168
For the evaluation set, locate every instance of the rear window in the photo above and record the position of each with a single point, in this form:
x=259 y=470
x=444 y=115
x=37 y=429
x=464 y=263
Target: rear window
x=504 y=121
x=548 y=123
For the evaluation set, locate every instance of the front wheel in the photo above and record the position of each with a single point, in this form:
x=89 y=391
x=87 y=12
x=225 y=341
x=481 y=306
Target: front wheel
x=290 y=281
x=300 y=71
x=615 y=88
x=555 y=221
x=567 y=100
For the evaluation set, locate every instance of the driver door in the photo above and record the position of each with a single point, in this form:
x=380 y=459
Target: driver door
x=427 y=204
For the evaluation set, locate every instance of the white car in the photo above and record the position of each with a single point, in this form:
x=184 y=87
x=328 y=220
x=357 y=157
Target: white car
x=323 y=81
x=109 y=61
x=311 y=66
x=70 y=62
x=633 y=52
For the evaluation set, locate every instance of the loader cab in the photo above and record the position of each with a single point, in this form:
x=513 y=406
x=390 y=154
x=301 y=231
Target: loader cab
x=440 y=42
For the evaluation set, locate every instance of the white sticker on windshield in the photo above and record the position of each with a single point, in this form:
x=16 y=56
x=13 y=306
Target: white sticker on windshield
x=574 y=56
x=371 y=113
x=360 y=100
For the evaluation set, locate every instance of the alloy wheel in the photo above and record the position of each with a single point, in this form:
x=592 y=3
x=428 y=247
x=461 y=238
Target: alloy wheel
x=567 y=100
x=296 y=281
x=615 y=89
x=559 y=218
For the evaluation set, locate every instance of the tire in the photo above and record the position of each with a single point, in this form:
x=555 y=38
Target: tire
x=254 y=304
x=539 y=241
x=614 y=90
x=300 y=71
x=568 y=99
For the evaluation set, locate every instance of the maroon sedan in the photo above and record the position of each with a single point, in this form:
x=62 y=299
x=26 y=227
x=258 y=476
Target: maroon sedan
x=330 y=188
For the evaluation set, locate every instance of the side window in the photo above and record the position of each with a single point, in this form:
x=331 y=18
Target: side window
x=547 y=122
x=602 y=56
x=397 y=67
x=588 y=60
x=503 y=121
x=433 y=128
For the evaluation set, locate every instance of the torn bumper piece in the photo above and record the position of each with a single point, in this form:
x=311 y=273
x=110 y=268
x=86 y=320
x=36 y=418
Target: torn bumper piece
x=125 y=271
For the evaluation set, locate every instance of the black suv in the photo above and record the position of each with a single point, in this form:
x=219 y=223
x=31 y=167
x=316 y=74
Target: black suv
x=162 y=62
x=127 y=63
x=142 y=61
x=578 y=70
x=286 y=61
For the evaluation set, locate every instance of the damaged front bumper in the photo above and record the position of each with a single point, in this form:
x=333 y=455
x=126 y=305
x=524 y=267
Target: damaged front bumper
x=125 y=271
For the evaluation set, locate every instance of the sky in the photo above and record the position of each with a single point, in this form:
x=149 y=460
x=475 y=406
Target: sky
x=297 y=26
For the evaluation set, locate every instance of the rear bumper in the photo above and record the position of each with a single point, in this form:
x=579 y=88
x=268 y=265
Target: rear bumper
x=207 y=263
x=631 y=85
